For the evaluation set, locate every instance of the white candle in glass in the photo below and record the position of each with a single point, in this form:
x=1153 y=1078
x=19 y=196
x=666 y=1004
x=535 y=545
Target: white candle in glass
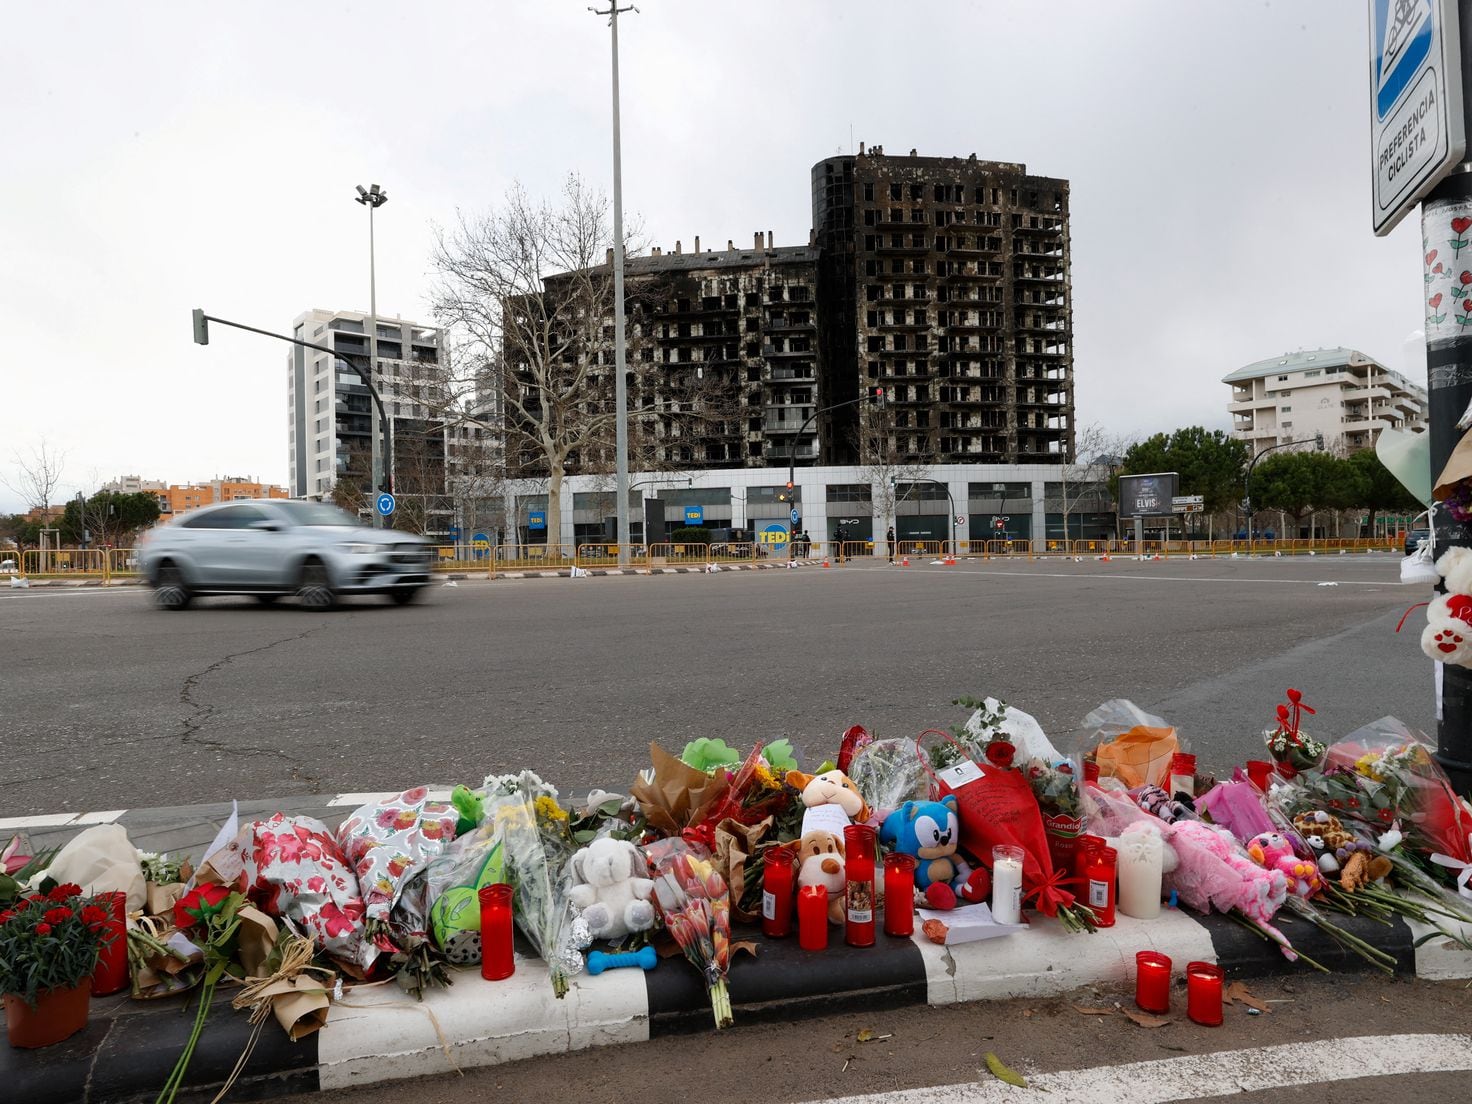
x=1140 y=855
x=1007 y=884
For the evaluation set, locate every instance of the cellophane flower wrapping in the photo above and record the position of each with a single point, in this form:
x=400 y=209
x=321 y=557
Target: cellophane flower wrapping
x=294 y=870
x=695 y=904
x=538 y=850
x=1128 y=744
x=452 y=884
x=888 y=773
x=1384 y=773
x=1055 y=784
x=388 y=841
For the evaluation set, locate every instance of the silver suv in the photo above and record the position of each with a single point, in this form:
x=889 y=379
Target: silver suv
x=272 y=547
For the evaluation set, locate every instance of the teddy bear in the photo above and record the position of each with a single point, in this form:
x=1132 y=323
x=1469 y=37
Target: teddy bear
x=930 y=831
x=1448 y=633
x=830 y=788
x=610 y=888
x=1272 y=851
x=820 y=862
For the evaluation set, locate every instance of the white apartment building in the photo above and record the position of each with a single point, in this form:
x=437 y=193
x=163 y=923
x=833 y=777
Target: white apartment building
x=134 y=484
x=330 y=420
x=1342 y=393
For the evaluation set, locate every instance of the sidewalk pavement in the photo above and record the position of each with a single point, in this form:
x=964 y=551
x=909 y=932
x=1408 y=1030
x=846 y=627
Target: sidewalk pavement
x=380 y=1034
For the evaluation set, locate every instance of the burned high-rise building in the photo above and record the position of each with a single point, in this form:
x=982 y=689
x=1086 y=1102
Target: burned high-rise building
x=944 y=281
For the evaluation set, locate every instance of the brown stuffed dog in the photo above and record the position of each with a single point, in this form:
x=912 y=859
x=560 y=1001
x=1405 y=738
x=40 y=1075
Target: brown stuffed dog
x=832 y=788
x=820 y=862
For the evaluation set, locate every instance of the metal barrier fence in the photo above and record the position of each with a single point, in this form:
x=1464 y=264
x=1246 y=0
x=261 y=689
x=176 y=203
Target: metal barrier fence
x=531 y=557
x=122 y=561
x=1007 y=548
x=607 y=555
x=64 y=562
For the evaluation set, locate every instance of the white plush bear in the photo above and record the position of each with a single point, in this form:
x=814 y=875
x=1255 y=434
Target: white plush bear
x=611 y=889
x=1448 y=633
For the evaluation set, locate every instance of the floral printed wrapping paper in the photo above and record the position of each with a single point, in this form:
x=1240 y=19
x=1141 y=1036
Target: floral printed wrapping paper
x=388 y=841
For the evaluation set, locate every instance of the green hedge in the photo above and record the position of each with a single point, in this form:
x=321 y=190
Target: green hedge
x=690 y=534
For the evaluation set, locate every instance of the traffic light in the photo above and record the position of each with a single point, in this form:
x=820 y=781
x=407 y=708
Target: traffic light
x=876 y=395
x=787 y=495
x=201 y=327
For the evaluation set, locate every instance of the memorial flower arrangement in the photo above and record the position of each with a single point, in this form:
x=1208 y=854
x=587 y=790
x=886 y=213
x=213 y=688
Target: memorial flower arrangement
x=49 y=941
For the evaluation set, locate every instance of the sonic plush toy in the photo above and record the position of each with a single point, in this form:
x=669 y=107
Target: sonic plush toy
x=930 y=831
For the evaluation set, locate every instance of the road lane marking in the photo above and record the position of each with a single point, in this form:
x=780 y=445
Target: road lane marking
x=1182 y=578
x=60 y=820
x=1201 y=1076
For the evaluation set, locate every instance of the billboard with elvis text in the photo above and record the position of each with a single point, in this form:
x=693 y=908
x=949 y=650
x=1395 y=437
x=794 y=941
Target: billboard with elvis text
x=1147 y=496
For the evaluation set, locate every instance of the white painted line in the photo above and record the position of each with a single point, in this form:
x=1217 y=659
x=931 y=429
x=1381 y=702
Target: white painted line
x=100 y=818
x=1200 y=1076
x=1395 y=582
x=51 y=820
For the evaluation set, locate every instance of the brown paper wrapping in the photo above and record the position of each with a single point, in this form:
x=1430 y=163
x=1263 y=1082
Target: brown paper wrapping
x=256 y=938
x=736 y=844
x=160 y=899
x=299 y=1004
x=1458 y=467
x=678 y=796
x=1139 y=757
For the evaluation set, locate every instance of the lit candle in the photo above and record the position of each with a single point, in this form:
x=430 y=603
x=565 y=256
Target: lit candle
x=1183 y=774
x=1260 y=771
x=812 y=917
x=858 y=865
x=1007 y=884
x=111 y=973
x=1204 y=993
x=1152 y=982
x=899 y=894
x=1099 y=868
x=777 y=879
x=1140 y=859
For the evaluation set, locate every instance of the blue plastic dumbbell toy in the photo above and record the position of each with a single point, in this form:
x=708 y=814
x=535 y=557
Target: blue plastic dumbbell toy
x=644 y=958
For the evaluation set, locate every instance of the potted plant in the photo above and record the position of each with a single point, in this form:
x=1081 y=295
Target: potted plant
x=49 y=944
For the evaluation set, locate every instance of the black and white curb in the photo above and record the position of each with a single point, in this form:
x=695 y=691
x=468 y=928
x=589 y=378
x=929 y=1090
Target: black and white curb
x=380 y=1034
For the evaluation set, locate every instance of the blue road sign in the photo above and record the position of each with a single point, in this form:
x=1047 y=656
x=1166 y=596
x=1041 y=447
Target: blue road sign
x=694 y=515
x=795 y=515
x=384 y=503
x=1417 y=133
x=536 y=519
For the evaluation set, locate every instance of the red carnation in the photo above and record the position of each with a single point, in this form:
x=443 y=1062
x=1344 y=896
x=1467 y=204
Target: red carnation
x=6 y=916
x=93 y=916
x=58 y=915
x=43 y=928
x=999 y=753
x=64 y=891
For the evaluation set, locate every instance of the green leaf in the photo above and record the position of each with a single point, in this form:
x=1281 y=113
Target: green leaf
x=1003 y=1072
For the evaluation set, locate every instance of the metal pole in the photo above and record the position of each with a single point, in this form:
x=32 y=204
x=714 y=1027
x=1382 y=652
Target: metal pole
x=380 y=454
x=1449 y=389
x=620 y=386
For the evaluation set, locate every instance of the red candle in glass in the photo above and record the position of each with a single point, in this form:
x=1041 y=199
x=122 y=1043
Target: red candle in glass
x=1152 y=981
x=858 y=865
x=496 y=959
x=899 y=894
x=1260 y=771
x=1099 y=866
x=1081 y=848
x=111 y=972
x=778 y=876
x=1204 y=993
x=1091 y=771
x=812 y=917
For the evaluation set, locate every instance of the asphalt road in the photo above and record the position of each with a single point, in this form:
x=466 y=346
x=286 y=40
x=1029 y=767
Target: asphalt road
x=106 y=703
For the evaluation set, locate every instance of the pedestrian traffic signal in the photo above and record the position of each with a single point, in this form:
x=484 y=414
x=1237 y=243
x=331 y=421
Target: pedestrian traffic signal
x=201 y=327
x=876 y=395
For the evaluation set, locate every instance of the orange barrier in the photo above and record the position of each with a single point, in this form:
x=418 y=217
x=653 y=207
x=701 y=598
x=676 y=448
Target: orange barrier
x=1008 y=548
x=64 y=562
x=607 y=555
x=531 y=557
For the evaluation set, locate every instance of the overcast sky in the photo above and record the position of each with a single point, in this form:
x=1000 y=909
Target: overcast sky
x=163 y=156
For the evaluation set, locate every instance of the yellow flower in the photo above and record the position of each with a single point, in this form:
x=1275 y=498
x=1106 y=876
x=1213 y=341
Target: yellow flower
x=1366 y=765
x=763 y=775
x=548 y=809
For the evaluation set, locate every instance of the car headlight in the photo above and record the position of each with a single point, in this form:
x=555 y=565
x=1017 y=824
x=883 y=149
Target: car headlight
x=360 y=549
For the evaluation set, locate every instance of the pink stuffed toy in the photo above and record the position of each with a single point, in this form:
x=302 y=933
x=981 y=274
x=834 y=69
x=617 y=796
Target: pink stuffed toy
x=1273 y=852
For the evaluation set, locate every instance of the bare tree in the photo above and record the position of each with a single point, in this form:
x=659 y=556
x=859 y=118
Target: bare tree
x=882 y=460
x=1084 y=485
x=37 y=478
x=542 y=339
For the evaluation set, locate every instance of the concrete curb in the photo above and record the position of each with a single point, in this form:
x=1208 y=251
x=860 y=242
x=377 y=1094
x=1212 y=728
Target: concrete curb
x=379 y=1034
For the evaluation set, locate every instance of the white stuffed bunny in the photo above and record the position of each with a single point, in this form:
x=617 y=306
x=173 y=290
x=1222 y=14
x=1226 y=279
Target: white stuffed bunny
x=611 y=891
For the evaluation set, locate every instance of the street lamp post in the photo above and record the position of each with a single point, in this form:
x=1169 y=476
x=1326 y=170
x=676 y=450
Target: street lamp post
x=1247 y=482
x=374 y=198
x=792 y=452
x=949 y=500
x=620 y=385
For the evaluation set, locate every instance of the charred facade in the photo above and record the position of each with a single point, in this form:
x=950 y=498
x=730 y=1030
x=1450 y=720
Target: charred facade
x=946 y=282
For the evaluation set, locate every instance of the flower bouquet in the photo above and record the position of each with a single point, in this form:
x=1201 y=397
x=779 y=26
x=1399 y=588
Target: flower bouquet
x=165 y=881
x=888 y=774
x=1055 y=786
x=49 y=944
x=1288 y=744
x=538 y=850
x=696 y=908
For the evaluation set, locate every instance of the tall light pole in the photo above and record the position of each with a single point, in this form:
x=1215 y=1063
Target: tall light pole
x=374 y=198
x=620 y=388
x=1318 y=443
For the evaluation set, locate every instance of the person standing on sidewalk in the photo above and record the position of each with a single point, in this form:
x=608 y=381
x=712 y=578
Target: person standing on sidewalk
x=838 y=538
x=889 y=543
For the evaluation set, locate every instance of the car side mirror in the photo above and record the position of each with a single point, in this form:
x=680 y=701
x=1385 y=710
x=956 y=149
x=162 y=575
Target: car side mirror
x=264 y=526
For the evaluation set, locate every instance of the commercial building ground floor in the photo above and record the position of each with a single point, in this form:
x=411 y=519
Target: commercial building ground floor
x=937 y=503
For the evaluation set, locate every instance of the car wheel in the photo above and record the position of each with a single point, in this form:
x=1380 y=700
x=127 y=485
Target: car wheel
x=170 y=593
x=315 y=591
x=404 y=595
